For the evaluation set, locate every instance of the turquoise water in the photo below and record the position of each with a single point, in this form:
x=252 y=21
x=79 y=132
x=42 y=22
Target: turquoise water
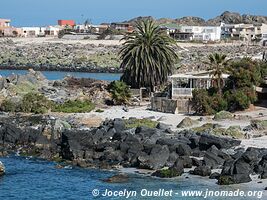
x=56 y=75
x=28 y=179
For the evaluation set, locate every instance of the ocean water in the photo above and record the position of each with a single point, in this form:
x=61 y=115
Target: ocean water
x=28 y=179
x=56 y=75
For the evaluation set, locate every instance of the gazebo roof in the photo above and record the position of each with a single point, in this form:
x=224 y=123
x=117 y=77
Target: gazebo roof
x=197 y=75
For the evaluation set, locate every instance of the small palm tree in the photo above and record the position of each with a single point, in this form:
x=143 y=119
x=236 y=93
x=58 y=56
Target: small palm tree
x=218 y=65
x=147 y=55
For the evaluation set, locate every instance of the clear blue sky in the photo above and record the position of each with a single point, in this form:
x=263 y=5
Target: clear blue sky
x=44 y=12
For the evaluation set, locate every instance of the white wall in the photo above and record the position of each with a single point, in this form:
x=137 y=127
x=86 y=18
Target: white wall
x=212 y=33
x=32 y=31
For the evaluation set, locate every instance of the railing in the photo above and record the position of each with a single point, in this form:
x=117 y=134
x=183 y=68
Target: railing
x=176 y=92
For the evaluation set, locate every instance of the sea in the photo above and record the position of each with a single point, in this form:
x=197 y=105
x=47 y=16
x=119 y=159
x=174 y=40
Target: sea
x=57 y=75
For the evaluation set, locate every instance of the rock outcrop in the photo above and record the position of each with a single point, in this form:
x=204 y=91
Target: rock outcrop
x=2 y=169
x=112 y=145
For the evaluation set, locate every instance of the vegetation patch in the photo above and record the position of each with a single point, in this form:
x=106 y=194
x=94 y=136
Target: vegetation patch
x=215 y=129
x=120 y=92
x=76 y=106
x=134 y=123
x=223 y=115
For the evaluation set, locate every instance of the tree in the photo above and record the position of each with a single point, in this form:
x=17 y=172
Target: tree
x=218 y=65
x=147 y=55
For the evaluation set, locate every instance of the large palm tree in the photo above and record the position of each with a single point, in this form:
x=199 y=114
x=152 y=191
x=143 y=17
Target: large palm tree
x=147 y=55
x=218 y=65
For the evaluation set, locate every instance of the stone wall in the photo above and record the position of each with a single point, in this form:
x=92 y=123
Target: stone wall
x=163 y=104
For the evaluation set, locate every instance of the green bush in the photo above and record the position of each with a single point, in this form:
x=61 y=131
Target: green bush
x=35 y=103
x=8 y=106
x=120 y=92
x=76 y=106
x=201 y=102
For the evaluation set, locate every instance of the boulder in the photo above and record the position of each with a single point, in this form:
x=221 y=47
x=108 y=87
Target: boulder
x=167 y=173
x=157 y=158
x=186 y=160
x=187 y=122
x=215 y=175
x=212 y=160
x=2 y=169
x=223 y=115
x=197 y=162
x=120 y=178
x=234 y=179
x=206 y=141
x=202 y=171
x=183 y=150
x=163 y=126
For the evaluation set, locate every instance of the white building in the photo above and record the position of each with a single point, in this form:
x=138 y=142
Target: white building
x=52 y=31
x=184 y=84
x=33 y=31
x=204 y=33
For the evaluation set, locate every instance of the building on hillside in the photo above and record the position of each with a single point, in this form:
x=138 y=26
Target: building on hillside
x=126 y=27
x=201 y=33
x=246 y=32
x=33 y=31
x=182 y=86
x=170 y=28
x=63 y=22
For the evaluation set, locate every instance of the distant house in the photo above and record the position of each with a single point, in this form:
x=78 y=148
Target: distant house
x=63 y=22
x=33 y=31
x=201 y=33
x=244 y=31
x=6 y=30
x=52 y=31
x=127 y=27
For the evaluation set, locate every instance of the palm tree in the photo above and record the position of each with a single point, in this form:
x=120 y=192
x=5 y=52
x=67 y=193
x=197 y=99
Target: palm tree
x=147 y=55
x=218 y=66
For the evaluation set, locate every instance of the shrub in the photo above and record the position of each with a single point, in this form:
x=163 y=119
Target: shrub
x=201 y=102
x=8 y=106
x=35 y=103
x=120 y=92
x=76 y=106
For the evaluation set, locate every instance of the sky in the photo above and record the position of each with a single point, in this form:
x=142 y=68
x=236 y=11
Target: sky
x=47 y=12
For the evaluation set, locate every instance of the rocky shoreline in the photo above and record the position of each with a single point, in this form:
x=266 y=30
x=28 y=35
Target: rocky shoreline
x=112 y=145
x=83 y=56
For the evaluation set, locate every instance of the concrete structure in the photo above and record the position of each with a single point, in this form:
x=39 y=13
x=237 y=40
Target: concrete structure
x=202 y=33
x=63 y=22
x=52 y=31
x=33 y=31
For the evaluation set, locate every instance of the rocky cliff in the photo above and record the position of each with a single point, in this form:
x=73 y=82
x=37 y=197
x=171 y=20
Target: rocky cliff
x=226 y=17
